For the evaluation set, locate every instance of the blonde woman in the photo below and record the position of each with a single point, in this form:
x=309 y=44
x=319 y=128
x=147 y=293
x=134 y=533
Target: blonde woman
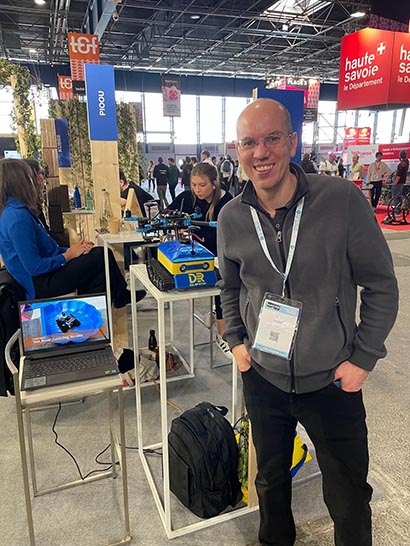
x=207 y=197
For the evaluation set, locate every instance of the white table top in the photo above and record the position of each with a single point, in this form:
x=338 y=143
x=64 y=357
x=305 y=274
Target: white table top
x=121 y=237
x=78 y=212
x=140 y=272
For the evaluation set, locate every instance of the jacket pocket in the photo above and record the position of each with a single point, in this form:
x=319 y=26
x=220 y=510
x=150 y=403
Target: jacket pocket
x=339 y=316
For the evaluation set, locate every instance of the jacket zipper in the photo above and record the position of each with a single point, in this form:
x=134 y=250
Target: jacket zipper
x=339 y=314
x=279 y=239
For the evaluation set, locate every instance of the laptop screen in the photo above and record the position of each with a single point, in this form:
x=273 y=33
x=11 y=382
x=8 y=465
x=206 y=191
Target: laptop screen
x=64 y=322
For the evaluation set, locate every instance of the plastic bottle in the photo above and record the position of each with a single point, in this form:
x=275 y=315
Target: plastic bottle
x=152 y=341
x=77 y=197
x=88 y=200
x=106 y=211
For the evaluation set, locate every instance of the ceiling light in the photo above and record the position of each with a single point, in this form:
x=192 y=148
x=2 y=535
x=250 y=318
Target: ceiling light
x=195 y=17
x=40 y=2
x=358 y=14
x=285 y=27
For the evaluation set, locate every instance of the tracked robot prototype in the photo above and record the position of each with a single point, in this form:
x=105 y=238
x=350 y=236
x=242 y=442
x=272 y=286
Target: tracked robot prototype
x=182 y=262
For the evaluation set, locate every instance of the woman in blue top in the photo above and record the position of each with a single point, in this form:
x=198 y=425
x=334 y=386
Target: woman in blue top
x=34 y=259
x=207 y=197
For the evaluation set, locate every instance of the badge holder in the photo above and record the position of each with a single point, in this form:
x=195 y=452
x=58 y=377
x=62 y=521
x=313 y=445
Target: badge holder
x=277 y=325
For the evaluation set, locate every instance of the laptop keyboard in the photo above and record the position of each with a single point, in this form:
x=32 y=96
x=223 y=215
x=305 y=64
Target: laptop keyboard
x=40 y=368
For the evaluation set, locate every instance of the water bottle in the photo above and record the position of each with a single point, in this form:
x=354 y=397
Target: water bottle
x=152 y=341
x=88 y=200
x=77 y=197
x=106 y=211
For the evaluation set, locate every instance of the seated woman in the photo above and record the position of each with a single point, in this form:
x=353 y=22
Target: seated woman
x=206 y=197
x=34 y=259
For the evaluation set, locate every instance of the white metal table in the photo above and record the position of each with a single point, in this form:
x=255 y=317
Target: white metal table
x=28 y=400
x=163 y=500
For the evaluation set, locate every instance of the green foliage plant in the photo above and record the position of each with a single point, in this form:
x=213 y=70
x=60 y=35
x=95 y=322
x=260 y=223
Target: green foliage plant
x=22 y=112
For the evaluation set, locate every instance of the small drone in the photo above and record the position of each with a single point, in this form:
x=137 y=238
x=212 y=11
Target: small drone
x=175 y=265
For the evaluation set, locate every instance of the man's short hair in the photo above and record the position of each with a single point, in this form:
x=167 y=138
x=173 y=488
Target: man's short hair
x=171 y=159
x=379 y=154
x=206 y=153
x=123 y=177
x=403 y=154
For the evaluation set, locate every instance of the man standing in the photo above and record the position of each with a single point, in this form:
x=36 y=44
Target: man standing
x=378 y=171
x=401 y=175
x=161 y=174
x=329 y=166
x=173 y=177
x=356 y=171
x=186 y=173
x=206 y=158
x=289 y=290
x=227 y=171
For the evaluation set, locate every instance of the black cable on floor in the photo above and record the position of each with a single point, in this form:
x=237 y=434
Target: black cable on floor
x=53 y=428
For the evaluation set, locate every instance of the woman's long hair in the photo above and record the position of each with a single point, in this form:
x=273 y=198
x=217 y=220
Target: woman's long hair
x=16 y=180
x=206 y=171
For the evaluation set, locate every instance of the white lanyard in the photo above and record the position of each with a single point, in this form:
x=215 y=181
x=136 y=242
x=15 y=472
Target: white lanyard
x=293 y=239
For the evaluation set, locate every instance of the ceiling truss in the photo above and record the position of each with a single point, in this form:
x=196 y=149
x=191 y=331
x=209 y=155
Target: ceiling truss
x=234 y=38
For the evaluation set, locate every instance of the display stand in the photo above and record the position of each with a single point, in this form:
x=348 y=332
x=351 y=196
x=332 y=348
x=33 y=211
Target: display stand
x=29 y=400
x=163 y=498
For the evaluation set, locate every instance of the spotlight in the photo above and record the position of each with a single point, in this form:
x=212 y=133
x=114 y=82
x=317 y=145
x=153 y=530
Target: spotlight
x=285 y=27
x=358 y=14
x=115 y=15
x=40 y=2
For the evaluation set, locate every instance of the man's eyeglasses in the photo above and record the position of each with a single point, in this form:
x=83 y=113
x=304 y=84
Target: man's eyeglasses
x=272 y=141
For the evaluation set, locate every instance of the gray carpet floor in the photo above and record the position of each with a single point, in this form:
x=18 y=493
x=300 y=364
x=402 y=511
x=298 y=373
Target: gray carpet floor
x=90 y=515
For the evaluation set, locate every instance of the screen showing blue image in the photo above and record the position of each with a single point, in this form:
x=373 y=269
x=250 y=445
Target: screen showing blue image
x=57 y=322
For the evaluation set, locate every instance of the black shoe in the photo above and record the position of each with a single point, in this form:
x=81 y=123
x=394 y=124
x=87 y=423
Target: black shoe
x=126 y=299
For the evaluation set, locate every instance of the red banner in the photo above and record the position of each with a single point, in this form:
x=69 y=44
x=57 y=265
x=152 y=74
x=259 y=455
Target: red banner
x=82 y=49
x=365 y=68
x=400 y=67
x=65 y=87
x=374 y=69
x=357 y=135
x=391 y=151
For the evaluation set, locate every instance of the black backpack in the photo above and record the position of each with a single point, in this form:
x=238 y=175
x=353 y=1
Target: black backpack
x=10 y=293
x=203 y=460
x=226 y=166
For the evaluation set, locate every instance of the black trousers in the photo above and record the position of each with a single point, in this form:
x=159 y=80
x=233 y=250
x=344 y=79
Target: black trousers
x=172 y=188
x=335 y=422
x=376 y=192
x=86 y=274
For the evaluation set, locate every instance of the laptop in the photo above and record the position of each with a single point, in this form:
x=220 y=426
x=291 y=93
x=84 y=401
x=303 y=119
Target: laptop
x=65 y=340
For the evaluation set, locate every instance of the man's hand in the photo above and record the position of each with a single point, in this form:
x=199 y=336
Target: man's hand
x=351 y=376
x=241 y=355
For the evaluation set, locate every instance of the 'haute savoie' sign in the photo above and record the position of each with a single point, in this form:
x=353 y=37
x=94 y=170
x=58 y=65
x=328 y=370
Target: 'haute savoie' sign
x=374 y=69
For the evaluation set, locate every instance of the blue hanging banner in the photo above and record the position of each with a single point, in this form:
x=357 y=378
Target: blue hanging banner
x=293 y=101
x=101 y=108
x=63 y=145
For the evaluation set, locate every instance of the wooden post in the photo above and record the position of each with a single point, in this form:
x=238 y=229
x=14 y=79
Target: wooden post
x=105 y=171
